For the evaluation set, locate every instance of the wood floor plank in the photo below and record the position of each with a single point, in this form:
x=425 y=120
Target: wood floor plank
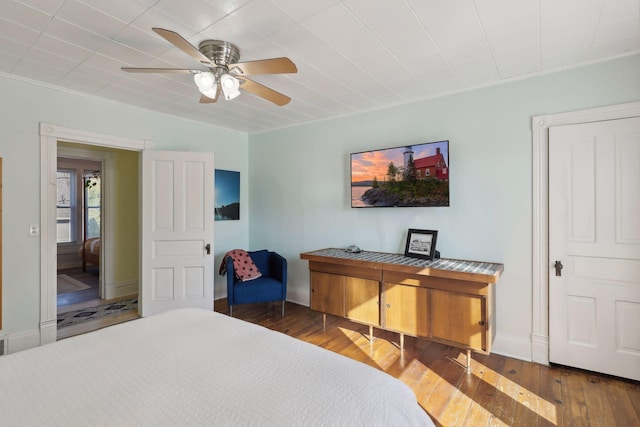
x=595 y=394
x=575 y=407
x=497 y=391
x=551 y=406
x=431 y=377
x=528 y=398
x=504 y=404
x=445 y=378
x=480 y=412
x=461 y=400
x=633 y=389
x=621 y=403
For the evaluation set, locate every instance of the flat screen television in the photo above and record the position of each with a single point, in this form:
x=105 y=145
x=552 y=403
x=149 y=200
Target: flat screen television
x=406 y=176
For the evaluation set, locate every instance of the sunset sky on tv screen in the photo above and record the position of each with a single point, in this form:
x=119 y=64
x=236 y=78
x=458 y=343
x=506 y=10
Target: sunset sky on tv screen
x=369 y=164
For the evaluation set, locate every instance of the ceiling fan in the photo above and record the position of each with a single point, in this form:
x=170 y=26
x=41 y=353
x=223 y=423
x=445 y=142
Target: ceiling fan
x=224 y=74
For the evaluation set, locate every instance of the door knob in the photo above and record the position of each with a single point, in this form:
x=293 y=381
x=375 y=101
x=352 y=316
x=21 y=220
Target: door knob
x=558 y=266
x=208 y=248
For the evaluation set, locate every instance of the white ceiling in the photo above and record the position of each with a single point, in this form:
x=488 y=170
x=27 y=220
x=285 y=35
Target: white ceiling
x=352 y=55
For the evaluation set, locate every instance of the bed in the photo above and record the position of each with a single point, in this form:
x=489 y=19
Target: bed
x=197 y=367
x=90 y=252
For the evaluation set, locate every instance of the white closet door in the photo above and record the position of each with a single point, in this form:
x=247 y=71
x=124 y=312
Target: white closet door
x=594 y=234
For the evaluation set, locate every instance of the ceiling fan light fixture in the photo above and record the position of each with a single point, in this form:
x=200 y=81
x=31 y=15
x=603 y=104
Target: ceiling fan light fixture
x=210 y=93
x=204 y=80
x=206 y=83
x=230 y=86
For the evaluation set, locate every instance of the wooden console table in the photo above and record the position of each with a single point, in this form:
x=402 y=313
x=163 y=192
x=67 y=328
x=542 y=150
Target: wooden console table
x=444 y=300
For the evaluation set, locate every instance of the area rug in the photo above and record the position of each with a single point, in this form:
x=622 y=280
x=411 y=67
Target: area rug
x=69 y=284
x=92 y=313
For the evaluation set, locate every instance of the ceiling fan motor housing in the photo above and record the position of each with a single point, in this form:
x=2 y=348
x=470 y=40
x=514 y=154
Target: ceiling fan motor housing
x=220 y=52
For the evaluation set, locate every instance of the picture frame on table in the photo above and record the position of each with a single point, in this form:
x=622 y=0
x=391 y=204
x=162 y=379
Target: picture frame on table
x=421 y=244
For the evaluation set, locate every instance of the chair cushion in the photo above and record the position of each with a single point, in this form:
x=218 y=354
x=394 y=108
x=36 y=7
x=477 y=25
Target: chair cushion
x=258 y=290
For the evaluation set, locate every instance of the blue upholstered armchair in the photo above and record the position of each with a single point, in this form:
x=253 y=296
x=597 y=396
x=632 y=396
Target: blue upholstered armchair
x=271 y=286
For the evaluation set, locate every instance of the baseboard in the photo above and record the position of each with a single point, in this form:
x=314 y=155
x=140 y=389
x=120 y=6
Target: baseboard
x=540 y=349
x=512 y=346
x=121 y=289
x=298 y=297
x=21 y=341
x=219 y=291
x=48 y=331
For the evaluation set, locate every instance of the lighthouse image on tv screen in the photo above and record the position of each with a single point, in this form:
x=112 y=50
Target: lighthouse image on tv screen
x=406 y=176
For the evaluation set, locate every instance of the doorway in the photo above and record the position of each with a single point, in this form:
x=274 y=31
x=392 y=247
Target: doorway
x=73 y=143
x=95 y=299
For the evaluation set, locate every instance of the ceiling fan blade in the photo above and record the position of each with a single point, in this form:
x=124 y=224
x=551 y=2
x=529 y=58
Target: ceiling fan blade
x=263 y=91
x=265 y=66
x=206 y=100
x=181 y=43
x=158 y=70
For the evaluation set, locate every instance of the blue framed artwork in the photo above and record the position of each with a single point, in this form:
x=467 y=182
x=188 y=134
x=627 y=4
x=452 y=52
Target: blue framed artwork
x=227 y=197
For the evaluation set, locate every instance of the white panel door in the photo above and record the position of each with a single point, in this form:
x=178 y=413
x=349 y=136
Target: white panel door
x=177 y=231
x=594 y=232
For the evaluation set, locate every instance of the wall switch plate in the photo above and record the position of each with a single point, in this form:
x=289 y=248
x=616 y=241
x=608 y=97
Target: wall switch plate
x=34 y=230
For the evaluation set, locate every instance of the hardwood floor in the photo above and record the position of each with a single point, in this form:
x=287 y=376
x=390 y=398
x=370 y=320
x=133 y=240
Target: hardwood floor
x=497 y=391
x=91 y=277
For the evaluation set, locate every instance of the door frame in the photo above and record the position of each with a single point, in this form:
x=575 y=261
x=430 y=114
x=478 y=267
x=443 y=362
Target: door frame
x=540 y=205
x=50 y=134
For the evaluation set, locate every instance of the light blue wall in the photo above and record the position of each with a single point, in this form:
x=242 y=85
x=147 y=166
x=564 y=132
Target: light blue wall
x=300 y=196
x=23 y=106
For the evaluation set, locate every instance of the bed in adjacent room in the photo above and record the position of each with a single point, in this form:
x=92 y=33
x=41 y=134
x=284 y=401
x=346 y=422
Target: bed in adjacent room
x=90 y=252
x=197 y=367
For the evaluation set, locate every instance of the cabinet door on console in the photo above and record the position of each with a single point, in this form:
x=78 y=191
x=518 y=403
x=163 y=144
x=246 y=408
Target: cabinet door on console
x=459 y=318
x=327 y=293
x=406 y=309
x=362 y=300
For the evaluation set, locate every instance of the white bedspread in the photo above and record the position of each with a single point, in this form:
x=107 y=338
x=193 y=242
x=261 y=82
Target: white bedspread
x=197 y=367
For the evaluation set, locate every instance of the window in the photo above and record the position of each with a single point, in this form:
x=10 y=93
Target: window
x=65 y=206
x=78 y=200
